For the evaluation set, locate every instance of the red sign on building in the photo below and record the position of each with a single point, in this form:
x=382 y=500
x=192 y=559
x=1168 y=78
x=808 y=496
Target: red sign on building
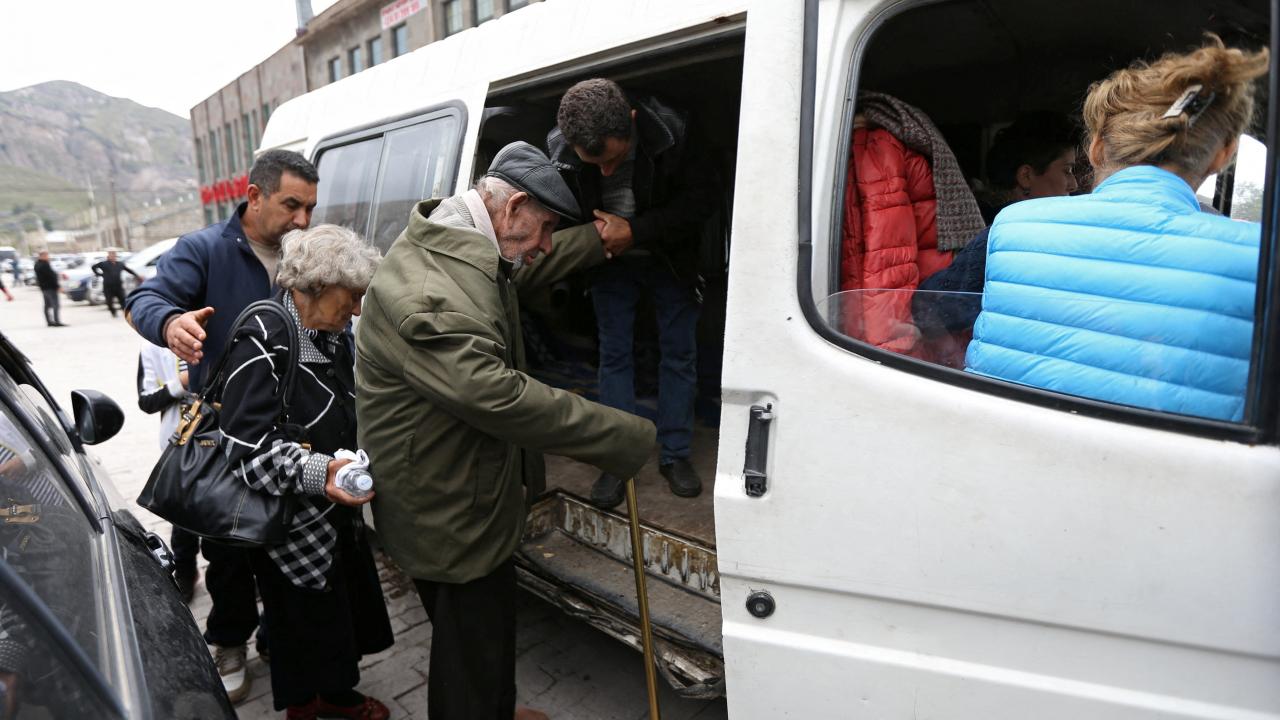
x=225 y=190
x=398 y=11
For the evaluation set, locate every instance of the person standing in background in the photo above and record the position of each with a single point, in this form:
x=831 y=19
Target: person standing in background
x=47 y=281
x=112 y=273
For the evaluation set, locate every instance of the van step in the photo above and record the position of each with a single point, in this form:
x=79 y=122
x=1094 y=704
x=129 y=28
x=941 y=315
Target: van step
x=578 y=558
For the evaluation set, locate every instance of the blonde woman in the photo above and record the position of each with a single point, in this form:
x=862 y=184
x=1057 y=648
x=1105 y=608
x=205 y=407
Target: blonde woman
x=1132 y=294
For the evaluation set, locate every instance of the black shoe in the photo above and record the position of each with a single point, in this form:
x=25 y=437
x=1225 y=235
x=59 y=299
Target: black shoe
x=608 y=491
x=681 y=477
x=61 y=324
x=186 y=576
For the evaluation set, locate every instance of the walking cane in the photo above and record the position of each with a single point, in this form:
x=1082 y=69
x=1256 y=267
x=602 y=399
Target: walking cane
x=642 y=595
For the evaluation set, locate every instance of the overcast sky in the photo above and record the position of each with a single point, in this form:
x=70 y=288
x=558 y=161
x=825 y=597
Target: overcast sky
x=169 y=54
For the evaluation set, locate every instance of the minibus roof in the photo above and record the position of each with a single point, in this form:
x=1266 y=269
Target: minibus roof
x=540 y=41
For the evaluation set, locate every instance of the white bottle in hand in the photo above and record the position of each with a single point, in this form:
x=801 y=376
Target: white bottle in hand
x=354 y=478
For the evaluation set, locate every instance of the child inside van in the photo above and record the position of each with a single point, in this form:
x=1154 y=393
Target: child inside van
x=1132 y=294
x=1033 y=157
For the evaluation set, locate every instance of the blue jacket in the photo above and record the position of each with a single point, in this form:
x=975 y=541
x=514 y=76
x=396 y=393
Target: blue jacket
x=1130 y=295
x=212 y=267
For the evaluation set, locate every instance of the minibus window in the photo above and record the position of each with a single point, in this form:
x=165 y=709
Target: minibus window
x=936 y=259
x=1248 y=175
x=345 y=192
x=415 y=161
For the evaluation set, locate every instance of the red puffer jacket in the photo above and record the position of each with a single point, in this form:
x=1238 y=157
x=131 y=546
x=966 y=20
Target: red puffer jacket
x=890 y=240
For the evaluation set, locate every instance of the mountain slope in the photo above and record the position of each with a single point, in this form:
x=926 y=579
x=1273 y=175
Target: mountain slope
x=74 y=133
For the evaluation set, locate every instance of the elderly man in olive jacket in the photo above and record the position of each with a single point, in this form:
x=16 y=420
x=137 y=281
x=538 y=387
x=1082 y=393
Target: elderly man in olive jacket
x=453 y=426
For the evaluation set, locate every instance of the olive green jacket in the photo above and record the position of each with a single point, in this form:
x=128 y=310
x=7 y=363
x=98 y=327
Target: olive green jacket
x=453 y=426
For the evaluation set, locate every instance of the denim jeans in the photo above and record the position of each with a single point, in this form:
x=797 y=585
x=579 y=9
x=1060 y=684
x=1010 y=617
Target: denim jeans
x=616 y=289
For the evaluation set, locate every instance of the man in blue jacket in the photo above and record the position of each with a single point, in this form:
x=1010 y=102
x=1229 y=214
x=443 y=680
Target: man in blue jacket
x=200 y=287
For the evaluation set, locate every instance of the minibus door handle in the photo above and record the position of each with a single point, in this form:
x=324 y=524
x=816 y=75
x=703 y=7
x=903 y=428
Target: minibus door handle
x=755 y=469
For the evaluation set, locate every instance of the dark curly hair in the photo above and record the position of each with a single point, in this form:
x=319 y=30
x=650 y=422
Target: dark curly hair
x=1035 y=139
x=592 y=111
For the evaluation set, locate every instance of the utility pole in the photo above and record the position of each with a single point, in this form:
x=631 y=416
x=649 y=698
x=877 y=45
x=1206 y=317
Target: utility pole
x=116 y=212
x=93 y=212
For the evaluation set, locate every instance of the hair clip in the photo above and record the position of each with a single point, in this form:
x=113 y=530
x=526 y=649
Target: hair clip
x=1191 y=102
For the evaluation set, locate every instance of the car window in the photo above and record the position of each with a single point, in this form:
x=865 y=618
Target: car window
x=38 y=679
x=415 y=166
x=49 y=545
x=345 y=193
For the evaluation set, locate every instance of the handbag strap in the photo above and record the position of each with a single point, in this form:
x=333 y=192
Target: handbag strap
x=270 y=307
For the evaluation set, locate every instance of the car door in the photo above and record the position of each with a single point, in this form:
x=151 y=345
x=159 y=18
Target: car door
x=901 y=540
x=91 y=624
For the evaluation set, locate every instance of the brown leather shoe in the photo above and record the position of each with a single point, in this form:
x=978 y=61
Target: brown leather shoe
x=524 y=713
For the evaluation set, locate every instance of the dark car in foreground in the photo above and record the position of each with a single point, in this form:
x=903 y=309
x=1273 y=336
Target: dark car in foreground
x=91 y=623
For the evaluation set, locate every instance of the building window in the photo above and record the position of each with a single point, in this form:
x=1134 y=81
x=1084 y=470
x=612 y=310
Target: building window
x=452 y=17
x=355 y=59
x=256 y=126
x=335 y=69
x=399 y=40
x=200 y=161
x=249 y=141
x=215 y=164
x=266 y=113
x=483 y=10
x=516 y=4
x=229 y=137
x=375 y=51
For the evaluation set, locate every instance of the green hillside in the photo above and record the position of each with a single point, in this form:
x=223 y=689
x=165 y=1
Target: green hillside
x=24 y=191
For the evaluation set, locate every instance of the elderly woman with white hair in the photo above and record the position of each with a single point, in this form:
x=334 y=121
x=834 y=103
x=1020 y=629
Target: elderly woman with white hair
x=319 y=589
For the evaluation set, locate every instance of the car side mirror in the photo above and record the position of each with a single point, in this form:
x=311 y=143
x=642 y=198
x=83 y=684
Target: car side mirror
x=98 y=417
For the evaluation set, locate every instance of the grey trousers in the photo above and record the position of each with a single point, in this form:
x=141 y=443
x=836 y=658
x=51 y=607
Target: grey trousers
x=52 y=311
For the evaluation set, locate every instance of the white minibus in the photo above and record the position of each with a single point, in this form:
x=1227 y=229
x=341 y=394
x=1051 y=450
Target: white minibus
x=883 y=534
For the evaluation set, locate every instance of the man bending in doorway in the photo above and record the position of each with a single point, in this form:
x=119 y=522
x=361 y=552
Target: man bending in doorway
x=650 y=185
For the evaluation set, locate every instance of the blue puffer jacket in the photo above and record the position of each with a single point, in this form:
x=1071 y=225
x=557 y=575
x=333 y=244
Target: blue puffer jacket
x=1130 y=295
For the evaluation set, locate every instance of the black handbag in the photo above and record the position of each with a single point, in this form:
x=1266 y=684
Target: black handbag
x=192 y=485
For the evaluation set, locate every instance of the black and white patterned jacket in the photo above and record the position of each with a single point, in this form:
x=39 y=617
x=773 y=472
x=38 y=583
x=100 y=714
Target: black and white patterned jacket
x=263 y=453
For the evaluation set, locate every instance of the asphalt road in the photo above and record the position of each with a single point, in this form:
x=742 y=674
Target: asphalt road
x=564 y=668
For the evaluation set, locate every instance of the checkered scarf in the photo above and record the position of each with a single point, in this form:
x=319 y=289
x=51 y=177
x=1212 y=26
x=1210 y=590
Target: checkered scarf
x=286 y=467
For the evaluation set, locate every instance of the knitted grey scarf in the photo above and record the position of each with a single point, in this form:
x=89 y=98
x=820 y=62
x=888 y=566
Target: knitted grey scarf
x=958 y=217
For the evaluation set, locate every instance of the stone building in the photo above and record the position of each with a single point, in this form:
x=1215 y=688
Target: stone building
x=348 y=37
x=228 y=125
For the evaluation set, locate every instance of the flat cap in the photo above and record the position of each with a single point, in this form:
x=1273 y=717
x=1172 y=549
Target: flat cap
x=528 y=169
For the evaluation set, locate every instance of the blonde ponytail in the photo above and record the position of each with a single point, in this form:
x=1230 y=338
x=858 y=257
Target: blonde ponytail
x=1152 y=114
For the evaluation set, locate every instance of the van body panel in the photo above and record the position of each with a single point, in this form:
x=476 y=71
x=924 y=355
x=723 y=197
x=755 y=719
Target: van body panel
x=939 y=552
x=933 y=550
